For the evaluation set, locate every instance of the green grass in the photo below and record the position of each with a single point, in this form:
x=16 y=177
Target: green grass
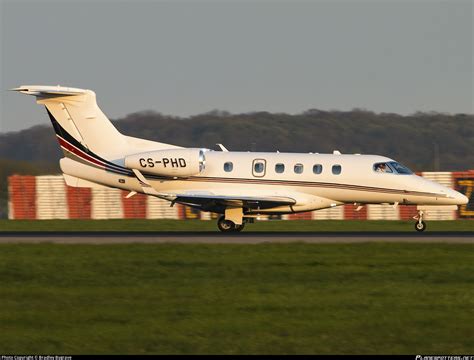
x=197 y=225
x=237 y=299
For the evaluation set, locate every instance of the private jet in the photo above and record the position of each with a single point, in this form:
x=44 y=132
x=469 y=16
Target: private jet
x=240 y=186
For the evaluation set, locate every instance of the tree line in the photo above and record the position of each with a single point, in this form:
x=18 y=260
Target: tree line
x=422 y=141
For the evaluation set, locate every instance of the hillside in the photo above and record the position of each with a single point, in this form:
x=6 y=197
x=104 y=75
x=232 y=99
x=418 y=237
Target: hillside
x=408 y=139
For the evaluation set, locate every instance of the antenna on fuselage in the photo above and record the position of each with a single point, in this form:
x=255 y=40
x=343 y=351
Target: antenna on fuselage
x=222 y=147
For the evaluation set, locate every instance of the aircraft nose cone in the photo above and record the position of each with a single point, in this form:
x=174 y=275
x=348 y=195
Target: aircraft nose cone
x=459 y=198
x=463 y=199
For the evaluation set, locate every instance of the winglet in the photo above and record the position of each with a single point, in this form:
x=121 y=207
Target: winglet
x=148 y=189
x=140 y=177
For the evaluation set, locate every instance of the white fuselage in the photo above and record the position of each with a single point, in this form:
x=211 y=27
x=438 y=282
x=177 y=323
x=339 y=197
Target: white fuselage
x=357 y=182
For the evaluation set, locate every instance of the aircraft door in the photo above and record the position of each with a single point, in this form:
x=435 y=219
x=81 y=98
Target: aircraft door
x=259 y=167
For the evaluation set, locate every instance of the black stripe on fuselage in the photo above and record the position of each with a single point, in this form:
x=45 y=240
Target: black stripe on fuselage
x=311 y=184
x=294 y=183
x=60 y=131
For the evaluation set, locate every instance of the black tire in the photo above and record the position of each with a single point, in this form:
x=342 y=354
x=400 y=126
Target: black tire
x=225 y=225
x=239 y=228
x=420 y=226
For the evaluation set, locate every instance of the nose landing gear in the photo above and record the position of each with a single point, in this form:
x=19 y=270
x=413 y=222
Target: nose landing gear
x=420 y=225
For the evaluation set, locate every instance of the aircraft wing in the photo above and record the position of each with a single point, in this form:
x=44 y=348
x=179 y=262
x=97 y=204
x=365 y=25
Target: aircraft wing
x=208 y=200
x=204 y=200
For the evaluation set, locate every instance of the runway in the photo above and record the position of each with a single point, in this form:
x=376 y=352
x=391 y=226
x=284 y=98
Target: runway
x=238 y=238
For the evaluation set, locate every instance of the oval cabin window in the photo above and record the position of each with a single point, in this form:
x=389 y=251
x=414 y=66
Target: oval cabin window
x=298 y=168
x=279 y=168
x=258 y=168
x=336 y=169
x=317 y=169
x=228 y=166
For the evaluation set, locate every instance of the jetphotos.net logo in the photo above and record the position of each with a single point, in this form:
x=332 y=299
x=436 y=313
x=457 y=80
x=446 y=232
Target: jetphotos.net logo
x=444 y=357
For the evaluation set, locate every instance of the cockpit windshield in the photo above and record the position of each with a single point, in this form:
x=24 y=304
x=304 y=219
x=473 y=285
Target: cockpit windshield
x=391 y=167
x=399 y=168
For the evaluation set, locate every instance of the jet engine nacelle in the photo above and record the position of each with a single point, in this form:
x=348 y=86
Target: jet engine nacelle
x=172 y=163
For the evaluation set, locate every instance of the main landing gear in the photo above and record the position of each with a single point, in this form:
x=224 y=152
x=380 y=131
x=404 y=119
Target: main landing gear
x=228 y=226
x=420 y=224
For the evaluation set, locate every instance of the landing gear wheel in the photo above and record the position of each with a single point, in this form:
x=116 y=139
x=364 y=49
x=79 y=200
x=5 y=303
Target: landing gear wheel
x=239 y=228
x=228 y=226
x=225 y=225
x=420 y=226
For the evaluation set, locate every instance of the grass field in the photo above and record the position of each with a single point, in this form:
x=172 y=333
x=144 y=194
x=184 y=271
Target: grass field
x=197 y=225
x=237 y=299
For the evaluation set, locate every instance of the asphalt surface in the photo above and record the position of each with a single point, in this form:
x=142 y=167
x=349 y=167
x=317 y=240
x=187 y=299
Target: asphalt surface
x=238 y=238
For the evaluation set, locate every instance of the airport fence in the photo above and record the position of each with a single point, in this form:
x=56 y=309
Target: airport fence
x=48 y=197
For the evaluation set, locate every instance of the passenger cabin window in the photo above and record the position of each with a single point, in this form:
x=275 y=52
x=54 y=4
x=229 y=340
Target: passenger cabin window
x=336 y=169
x=258 y=168
x=317 y=169
x=228 y=166
x=298 y=168
x=279 y=168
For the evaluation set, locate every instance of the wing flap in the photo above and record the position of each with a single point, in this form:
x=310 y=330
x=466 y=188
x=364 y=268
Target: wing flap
x=252 y=202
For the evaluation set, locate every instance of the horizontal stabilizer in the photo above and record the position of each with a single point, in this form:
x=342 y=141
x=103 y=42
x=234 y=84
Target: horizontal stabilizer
x=40 y=90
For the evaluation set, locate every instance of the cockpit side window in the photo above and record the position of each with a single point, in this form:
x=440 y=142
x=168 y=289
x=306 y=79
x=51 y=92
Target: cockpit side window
x=382 y=168
x=399 y=168
x=392 y=167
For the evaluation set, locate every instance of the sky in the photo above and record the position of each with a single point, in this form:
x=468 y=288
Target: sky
x=189 y=57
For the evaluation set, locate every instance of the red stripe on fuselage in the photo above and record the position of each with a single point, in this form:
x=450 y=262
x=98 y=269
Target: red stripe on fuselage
x=78 y=152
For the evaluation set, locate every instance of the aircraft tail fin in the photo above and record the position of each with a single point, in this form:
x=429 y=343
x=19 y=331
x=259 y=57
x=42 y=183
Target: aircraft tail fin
x=81 y=126
x=76 y=118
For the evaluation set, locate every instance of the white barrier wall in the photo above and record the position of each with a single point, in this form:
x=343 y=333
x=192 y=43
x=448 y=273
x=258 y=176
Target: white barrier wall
x=335 y=213
x=47 y=197
x=160 y=209
x=106 y=204
x=51 y=198
x=382 y=212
